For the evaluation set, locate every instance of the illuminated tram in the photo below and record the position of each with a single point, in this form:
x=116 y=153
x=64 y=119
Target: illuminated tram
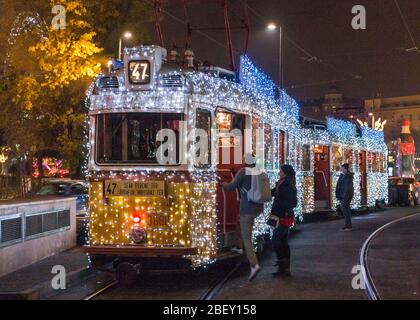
x=146 y=214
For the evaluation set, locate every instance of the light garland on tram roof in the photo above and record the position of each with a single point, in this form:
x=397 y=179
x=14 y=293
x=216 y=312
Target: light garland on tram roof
x=342 y=131
x=256 y=82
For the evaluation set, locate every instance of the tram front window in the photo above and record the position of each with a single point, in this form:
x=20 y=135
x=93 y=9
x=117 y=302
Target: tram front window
x=131 y=138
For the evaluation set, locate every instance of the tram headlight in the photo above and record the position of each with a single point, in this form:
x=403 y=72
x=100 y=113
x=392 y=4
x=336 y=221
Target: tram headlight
x=138 y=235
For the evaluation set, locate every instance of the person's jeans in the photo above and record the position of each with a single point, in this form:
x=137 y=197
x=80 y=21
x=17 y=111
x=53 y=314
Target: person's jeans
x=345 y=209
x=280 y=242
x=246 y=228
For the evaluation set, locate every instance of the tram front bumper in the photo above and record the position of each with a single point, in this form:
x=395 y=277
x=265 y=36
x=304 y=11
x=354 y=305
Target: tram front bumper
x=140 y=251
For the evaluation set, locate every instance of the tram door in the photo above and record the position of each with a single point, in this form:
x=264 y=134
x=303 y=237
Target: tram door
x=230 y=158
x=363 y=178
x=322 y=177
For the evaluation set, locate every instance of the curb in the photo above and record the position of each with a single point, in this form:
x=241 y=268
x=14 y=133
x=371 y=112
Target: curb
x=44 y=290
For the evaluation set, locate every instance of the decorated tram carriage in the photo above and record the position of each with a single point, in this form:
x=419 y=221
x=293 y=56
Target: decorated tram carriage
x=151 y=214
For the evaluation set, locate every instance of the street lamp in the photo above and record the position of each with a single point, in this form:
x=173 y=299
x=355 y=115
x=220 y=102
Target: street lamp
x=127 y=35
x=272 y=27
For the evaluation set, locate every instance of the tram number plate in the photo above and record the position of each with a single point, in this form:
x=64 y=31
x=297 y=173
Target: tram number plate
x=135 y=189
x=158 y=220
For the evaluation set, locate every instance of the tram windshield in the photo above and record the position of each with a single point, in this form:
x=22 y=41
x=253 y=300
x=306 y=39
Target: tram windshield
x=131 y=137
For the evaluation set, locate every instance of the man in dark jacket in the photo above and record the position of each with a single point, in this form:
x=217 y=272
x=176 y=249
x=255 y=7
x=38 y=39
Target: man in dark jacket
x=344 y=193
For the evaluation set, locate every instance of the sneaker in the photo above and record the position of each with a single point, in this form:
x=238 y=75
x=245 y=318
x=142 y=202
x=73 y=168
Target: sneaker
x=237 y=250
x=345 y=229
x=254 y=272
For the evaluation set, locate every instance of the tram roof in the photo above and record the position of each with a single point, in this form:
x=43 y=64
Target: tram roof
x=109 y=94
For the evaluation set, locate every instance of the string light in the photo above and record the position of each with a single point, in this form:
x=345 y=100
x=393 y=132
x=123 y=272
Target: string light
x=190 y=207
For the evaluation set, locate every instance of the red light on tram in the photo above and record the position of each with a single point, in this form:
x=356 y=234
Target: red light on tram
x=136 y=219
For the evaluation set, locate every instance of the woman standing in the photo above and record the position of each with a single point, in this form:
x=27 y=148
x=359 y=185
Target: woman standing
x=285 y=200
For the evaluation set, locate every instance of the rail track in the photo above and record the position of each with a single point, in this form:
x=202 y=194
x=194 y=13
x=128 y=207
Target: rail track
x=212 y=292
x=209 y=294
x=371 y=290
x=102 y=290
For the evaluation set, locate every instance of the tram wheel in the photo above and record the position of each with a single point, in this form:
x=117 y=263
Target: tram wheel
x=127 y=273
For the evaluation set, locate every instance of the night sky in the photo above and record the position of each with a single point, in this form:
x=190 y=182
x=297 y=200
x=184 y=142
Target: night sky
x=321 y=28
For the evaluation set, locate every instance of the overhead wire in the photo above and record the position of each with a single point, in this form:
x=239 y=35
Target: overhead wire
x=406 y=25
x=310 y=58
x=202 y=33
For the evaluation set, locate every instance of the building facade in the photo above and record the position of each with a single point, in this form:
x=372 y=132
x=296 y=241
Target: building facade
x=395 y=110
x=333 y=104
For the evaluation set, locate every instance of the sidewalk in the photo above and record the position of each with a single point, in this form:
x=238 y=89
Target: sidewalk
x=322 y=263
x=34 y=282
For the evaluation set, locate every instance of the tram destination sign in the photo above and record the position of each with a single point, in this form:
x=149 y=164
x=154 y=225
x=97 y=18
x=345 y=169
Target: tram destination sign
x=139 y=72
x=134 y=188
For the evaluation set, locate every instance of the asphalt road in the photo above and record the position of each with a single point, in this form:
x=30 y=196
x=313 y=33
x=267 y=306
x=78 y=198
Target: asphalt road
x=322 y=262
x=394 y=260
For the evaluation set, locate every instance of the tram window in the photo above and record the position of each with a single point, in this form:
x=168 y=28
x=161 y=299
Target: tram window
x=382 y=163
x=337 y=153
x=203 y=121
x=375 y=162
x=238 y=122
x=224 y=121
x=349 y=158
x=131 y=138
x=255 y=126
x=110 y=138
x=142 y=131
x=291 y=158
x=370 y=162
x=306 y=158
x=286 y=146
x=268 y=146
x=281 y=147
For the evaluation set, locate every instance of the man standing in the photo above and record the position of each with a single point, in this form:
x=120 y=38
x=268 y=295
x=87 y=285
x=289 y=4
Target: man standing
x=249 y=211
x=344 y=193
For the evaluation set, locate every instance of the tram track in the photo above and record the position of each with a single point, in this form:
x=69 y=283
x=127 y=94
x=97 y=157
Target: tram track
x=371 y=290
x=214 y=289
x=144 y=291
x=98 y=292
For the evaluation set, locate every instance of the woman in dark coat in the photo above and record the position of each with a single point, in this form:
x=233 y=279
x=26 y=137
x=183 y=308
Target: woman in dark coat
x=285 y=200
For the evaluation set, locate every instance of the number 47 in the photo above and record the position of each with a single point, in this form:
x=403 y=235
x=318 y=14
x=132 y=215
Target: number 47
x=111 y=188
x=144 y=67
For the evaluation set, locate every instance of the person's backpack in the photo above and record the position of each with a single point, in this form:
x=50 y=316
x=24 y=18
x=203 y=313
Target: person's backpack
x=260 y=191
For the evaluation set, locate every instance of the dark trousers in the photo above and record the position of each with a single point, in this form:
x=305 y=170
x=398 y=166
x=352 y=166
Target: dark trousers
x=281 y=242
x=345 y=209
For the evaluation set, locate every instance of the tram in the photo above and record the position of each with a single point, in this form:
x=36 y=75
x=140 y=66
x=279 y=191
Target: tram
x=146 y=213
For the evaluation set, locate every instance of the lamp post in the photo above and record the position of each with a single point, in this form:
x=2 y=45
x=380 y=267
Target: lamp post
x=127 y=35
x=373 y=119
x=3 y=159
x=273 y=27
